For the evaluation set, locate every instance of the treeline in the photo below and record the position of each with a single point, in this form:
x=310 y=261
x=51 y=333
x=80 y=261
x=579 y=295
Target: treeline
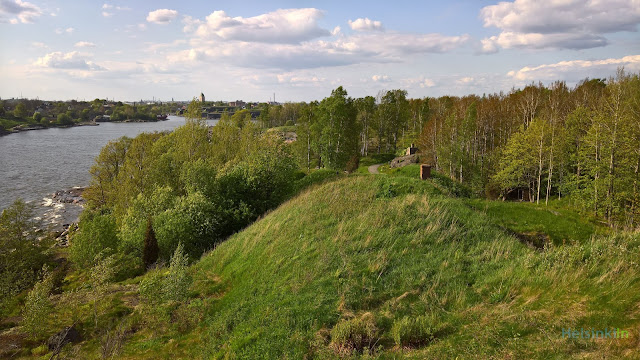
x=541 y=143
x=17 y=112
x=534 y=144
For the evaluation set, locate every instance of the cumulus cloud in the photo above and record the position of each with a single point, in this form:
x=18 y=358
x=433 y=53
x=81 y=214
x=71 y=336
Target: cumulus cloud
x=286 y=26
x=345 y=50
x=69 y=61
x=162 y=16
x=420 y=82
x=17 y=11
x=381 y=78
x=566 y=24
x=574 y=70
x=365 y=25
x=289 y=39
x=82 y=44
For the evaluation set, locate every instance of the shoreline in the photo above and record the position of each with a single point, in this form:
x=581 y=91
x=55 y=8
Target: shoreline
x=33 y=127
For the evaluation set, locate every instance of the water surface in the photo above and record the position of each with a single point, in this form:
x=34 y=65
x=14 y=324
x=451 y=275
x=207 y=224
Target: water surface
x=35 y=164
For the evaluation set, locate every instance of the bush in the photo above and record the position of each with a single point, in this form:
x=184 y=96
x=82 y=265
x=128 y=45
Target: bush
x=355 y=334
x=22 y=255
x=161 y=286
x=96 y=234
x=413 y=331
x=177 y=283
x=38 y=306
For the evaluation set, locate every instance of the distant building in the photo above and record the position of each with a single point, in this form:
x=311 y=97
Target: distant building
x=201 y=98
x=237 y=103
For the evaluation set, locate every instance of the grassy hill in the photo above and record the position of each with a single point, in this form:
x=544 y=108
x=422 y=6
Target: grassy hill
x=384 y=267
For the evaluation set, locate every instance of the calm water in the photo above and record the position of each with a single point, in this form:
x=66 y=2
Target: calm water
x=35 y=164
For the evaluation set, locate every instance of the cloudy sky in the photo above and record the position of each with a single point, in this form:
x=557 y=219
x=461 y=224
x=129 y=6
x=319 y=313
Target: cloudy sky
x=300 y=50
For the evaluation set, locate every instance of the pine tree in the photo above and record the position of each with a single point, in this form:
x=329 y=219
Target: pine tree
x=151 y=250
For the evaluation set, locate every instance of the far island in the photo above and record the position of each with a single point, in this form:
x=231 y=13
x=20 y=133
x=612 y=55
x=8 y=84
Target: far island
x=26 y=114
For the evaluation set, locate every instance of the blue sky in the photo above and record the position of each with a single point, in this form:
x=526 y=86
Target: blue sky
x=301 y=50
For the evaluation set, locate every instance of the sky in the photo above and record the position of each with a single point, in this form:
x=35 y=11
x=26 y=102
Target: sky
x=301 y=50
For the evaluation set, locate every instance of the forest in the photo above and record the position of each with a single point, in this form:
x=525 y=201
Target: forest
x=580 y=144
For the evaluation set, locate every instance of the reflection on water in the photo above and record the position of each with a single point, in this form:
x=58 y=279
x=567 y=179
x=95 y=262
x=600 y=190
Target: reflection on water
x=35 y=164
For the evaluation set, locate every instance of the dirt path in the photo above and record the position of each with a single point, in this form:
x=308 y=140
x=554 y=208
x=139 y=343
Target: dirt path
x=373 y=169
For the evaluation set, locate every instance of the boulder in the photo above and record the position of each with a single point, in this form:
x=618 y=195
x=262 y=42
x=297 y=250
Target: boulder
x=404 y=161
x=64 y=336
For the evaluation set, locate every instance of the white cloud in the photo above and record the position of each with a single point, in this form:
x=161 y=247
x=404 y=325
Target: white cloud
x=287 y=26
x=465 y=80
x=39 y=45
x=69 y=61
x=68 y=30
x=365 y=25
x=574 y=70
x=564 y=24
x=420 y=82
x=81 y=44
x=289 y=39
x=381 y=78
x=17 y=11
x=162 y=16
x=108 y=9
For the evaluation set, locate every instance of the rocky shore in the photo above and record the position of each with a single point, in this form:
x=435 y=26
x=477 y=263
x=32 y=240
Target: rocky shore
x=59 y=213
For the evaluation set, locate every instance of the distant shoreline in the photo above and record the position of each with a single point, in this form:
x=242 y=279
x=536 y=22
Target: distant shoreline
x=30 y=127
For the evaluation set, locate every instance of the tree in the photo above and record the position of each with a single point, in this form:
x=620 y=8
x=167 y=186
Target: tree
x=37 y=117
x=339 y=129
x=22 y=255
x=150 y=251
x=20 y=111
x=64 y=119
x=240 y=118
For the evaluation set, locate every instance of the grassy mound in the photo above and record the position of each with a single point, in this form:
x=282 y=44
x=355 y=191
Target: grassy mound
x=376 y=267
x=387 y=266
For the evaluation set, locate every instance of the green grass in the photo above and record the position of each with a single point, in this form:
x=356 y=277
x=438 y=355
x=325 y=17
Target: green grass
x=558 y=224
x=352 y=249
x=373 y=159
x=352 y=267
x=8 y=124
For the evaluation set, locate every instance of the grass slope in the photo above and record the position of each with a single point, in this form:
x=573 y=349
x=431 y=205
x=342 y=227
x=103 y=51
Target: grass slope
x=377 y=251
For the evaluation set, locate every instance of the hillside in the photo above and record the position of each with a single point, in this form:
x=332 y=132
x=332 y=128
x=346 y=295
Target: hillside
x=380 y=249
x=386 y=266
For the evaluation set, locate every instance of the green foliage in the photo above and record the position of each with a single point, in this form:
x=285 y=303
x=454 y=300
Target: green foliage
x=20 y=111
x=38 y=307
x=168 y=286
x=417 y=331
x=178 y=281
x=22 y=255
x=64 y=119
x=97 y=233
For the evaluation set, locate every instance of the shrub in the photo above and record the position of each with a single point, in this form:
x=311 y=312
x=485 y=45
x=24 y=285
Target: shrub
x=38 y=306
x=97 y=233
x=158 y=287
x=355 y=334
x=413 y=331
x=177 y=282
x=152 y=287
x=22 y=255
